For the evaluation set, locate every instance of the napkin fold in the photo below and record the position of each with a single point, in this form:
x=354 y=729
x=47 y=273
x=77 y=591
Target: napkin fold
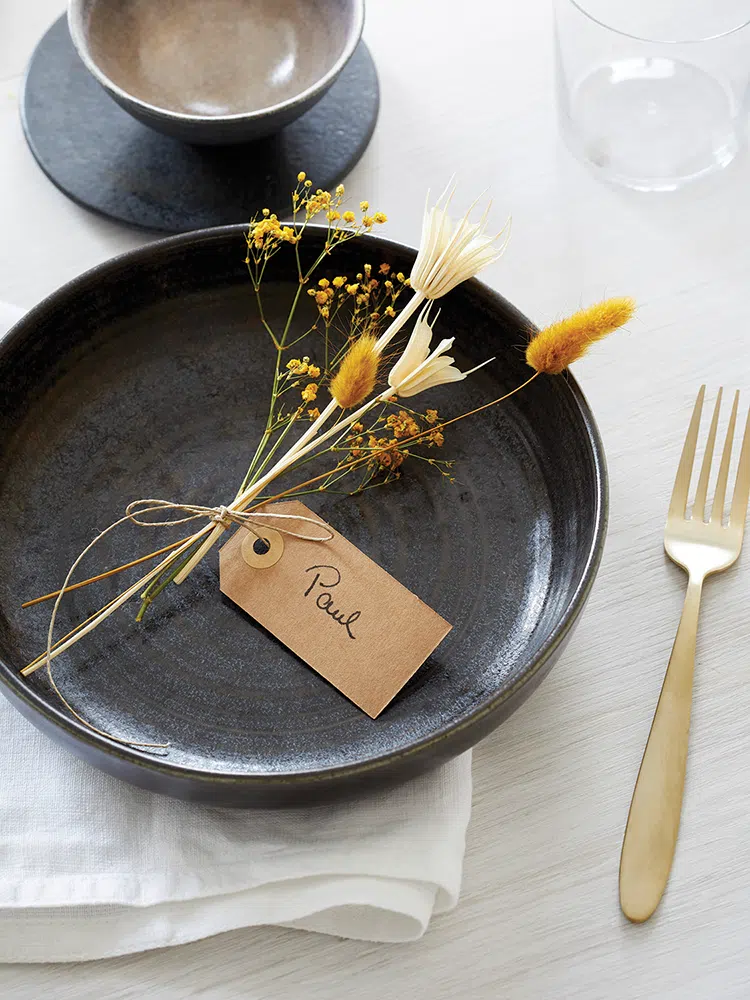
x=91 y=867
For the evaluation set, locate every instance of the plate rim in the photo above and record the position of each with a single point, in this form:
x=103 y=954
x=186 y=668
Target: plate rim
x=15 y=687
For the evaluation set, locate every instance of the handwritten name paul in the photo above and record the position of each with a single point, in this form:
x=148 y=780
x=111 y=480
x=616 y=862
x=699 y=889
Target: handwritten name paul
x=324 y=580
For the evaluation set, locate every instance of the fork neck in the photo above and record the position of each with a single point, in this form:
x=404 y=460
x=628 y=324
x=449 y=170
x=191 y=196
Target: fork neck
x=694 y=588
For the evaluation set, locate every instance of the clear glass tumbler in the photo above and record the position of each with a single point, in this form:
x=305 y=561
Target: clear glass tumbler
x=653 y=93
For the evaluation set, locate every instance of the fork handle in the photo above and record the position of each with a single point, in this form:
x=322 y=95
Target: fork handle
x=654 y=818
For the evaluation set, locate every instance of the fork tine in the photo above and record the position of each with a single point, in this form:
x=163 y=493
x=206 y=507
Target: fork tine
x=742 y=483
x=678 y=503
x=717 y=511
x=699 y=507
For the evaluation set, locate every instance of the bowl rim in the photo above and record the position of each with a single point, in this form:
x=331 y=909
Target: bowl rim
x=80 y=41
x=18 y=689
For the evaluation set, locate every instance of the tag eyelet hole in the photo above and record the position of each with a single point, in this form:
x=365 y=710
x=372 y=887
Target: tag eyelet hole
x=262 y=552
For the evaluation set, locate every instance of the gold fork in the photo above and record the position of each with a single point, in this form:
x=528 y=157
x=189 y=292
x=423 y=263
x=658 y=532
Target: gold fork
x=700 y=547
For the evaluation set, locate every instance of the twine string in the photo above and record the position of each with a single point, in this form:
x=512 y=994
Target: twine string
x=134 y=513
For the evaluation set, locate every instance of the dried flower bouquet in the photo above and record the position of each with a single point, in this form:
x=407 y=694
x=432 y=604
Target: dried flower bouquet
x=344 y=381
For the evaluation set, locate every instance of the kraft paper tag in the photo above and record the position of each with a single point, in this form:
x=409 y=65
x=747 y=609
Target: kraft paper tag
x=334 y=608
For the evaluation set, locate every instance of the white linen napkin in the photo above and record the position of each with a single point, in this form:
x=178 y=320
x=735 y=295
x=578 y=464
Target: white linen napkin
x=91 y=867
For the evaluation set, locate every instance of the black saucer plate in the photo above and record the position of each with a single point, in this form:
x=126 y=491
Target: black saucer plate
x=148 y=376
x=107 y=161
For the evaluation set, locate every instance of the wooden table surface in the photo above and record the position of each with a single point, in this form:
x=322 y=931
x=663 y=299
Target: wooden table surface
x=468 y=88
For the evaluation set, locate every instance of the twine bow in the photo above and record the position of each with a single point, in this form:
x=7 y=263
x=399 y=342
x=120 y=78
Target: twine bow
x=226 y=516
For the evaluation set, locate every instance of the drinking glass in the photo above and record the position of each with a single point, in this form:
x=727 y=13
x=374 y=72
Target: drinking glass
x=652 y=93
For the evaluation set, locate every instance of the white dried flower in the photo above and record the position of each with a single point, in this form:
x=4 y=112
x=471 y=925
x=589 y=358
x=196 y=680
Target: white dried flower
x=447 y=255
x=417 y=369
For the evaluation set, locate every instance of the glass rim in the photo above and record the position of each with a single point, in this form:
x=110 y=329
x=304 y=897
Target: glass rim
x=660 y=41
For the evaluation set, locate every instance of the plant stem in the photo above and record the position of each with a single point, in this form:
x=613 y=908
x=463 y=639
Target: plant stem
x=159 y=583
x=280 y=345
x=39 y=660
x=109 y=572
x=106 y=611
x=276 y=444
x=387 y=336
x=268 y=429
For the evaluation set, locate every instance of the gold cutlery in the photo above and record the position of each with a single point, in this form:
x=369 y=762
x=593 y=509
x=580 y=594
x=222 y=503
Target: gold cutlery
x=701 y=547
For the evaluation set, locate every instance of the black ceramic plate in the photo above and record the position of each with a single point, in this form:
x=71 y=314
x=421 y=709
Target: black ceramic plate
x=147 y=377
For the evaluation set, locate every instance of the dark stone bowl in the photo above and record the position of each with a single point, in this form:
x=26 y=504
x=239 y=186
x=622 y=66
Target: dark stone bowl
x=216 y=73
x=148 y=377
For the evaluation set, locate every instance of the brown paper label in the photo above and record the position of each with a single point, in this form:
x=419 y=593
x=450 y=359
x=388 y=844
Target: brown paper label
x=336 y=609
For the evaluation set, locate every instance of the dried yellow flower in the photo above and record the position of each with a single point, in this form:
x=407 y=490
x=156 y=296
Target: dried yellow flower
x=301 y=176
x=556 y=347
x=319 y=202
x=431 y=416
x=402 y=424
x=310 y=392
x=364 y=205
x=380 y=218
x=314 y=413
x=356 y=376
x=348 y=217
x=268 y=234
x=338 y=281
x=313 y=371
